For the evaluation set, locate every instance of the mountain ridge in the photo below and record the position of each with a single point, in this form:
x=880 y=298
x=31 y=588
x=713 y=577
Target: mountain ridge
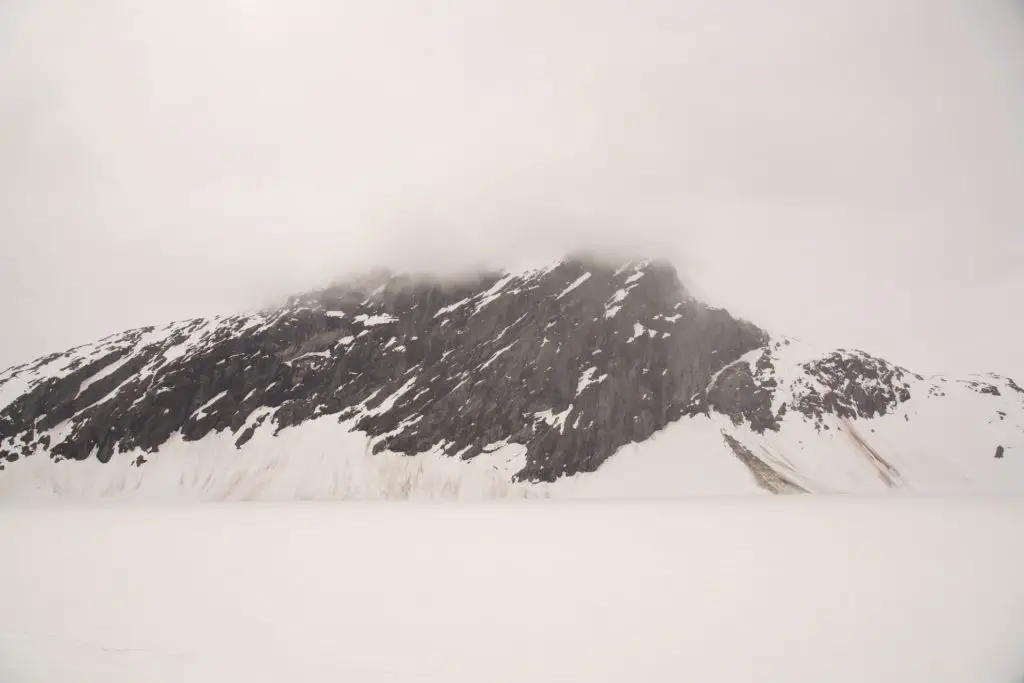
x=556 y=368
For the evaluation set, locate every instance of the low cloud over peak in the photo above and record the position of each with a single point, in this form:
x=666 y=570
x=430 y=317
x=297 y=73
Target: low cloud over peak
x=170 y=160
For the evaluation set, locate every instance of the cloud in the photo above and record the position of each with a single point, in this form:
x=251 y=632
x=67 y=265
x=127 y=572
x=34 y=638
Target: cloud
x=167 y=160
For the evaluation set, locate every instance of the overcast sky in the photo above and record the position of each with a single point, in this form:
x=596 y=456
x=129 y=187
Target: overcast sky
x=846 y=171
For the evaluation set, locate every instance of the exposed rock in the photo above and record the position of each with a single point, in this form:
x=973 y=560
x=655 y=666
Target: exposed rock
x=846 y=384
x=766 y=477
x=736 y=393
x=857 y=385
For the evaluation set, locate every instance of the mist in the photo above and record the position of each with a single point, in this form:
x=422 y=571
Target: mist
x=837 y=170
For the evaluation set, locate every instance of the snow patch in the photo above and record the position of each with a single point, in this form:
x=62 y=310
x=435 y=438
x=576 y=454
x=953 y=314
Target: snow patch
x=444 y=310
x=639 y=330
x=587 y=379
x=375 y=320
x=576 y=283
x=201 y=411
x=497 y=354
x=554 y=419
x=494 y=292
x=388 y=403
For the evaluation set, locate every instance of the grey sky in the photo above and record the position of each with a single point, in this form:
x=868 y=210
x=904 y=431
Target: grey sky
x=847 y=171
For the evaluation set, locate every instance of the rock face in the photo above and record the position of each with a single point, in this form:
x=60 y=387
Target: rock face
x=566 y=364
x=571 y=361
x=846 y=384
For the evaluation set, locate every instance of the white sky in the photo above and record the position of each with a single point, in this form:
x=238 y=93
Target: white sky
x=851 y=172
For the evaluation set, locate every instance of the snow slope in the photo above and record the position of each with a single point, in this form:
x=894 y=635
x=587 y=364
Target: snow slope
x=317 y=460
x=941 y=439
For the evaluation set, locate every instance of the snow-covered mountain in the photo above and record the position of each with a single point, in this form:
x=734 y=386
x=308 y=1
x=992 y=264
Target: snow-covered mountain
x=580 y=379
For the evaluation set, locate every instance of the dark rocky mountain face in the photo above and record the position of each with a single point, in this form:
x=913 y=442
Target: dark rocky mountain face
x=846 y=384
x=572 y=362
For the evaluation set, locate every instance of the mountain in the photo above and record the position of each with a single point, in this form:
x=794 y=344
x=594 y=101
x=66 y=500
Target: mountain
x=579 y=379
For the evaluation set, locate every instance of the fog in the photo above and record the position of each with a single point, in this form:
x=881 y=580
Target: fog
x=845 y=171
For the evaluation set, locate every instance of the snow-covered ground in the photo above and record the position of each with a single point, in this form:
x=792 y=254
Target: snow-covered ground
x=778 y=589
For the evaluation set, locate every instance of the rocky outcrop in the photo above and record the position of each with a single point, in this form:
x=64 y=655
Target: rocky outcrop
x=845 y=384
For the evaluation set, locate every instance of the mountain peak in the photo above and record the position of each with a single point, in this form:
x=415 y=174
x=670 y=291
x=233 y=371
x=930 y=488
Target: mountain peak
x=537 y=359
